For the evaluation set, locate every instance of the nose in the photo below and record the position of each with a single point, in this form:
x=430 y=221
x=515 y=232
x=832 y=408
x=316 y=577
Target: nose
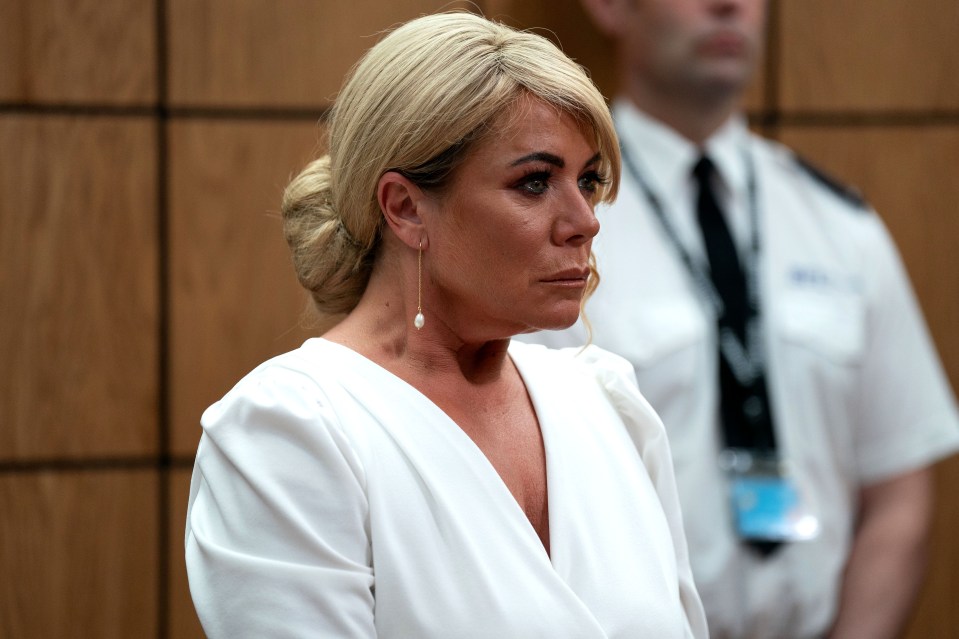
x=577 y=224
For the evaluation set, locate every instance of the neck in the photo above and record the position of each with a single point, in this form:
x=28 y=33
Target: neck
x=696 y=118
x=381 y=329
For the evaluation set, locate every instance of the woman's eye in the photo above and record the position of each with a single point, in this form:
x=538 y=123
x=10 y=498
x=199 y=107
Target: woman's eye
x=590 y=182
x=536 y=183
x=536 y=186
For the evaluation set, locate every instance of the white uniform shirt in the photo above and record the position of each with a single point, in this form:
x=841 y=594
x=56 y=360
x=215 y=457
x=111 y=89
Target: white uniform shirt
x=331 y=499
x=857 y=392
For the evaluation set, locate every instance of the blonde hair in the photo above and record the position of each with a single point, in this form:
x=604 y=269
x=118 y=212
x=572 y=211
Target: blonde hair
x=415 y=103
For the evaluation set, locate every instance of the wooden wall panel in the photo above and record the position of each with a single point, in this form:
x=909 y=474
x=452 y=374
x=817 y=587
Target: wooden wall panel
x=265 y=53
x=570 y=27
x=79 y=284
x=881 y=55
x=235 y=299
x=101 y=51
x=183 y=620
x=908 y=174
x=78 y=554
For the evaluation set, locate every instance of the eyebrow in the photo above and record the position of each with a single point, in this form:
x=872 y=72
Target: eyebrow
x=549 y=158
x=540 y=156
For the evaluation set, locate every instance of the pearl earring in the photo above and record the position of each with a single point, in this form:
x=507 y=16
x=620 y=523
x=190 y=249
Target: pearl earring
x=419 y=320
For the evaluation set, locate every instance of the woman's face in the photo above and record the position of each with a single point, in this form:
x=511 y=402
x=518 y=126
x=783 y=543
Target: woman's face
x=510 y=237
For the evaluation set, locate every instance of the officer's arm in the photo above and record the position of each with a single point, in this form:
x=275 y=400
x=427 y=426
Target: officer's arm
x=888 y=558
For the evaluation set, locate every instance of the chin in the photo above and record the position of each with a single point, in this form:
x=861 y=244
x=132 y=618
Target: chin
x=552 y=315
x=724 y=76
x=556 y=323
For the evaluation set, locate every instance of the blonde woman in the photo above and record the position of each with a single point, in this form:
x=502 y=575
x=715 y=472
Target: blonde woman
x=412 y=473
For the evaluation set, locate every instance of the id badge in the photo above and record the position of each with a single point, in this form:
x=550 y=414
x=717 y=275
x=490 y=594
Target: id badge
x=767 y=504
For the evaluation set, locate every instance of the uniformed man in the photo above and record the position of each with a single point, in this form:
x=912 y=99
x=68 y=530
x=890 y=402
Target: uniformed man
x=772 y=325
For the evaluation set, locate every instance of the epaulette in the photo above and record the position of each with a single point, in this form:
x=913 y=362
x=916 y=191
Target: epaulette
x=849 y=194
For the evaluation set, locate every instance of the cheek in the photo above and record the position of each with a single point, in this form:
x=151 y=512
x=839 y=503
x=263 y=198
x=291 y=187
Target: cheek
x=480 y=236
x=663 y=41
x=756 y=10
x=755 y=23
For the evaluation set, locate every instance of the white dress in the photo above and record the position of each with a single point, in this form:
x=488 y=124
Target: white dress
x=332 y=499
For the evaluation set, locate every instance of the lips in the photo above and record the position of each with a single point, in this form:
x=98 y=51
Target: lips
x=569 y=275
x=724 y=42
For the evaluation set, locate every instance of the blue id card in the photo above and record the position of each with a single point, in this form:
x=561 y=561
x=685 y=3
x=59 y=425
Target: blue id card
x=762 y=506
x=767 y=506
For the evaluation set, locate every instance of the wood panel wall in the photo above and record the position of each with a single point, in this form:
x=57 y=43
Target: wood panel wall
x=143 y=148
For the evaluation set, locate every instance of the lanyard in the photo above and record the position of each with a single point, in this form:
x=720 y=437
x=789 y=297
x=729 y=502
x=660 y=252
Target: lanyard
x=745 y=359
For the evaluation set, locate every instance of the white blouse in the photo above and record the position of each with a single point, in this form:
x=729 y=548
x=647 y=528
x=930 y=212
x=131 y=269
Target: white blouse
x=332 y=499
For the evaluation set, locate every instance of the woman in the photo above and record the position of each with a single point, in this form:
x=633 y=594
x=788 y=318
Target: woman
x=412 y=473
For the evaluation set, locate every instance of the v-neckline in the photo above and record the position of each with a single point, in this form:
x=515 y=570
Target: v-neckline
x=480 y=458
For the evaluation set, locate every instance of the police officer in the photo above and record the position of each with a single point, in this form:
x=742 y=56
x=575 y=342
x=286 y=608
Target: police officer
x=771 y=324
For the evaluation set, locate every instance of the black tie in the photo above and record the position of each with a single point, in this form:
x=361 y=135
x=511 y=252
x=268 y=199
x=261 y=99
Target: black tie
x=724 y=267
x=746 y=418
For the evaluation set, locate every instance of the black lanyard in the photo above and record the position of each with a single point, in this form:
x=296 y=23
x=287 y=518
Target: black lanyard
x=745 y=359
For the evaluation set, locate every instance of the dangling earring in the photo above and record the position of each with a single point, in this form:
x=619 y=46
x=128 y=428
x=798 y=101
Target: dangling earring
x=419 y=320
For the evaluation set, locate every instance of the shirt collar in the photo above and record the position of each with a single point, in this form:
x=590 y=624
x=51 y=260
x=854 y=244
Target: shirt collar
x=666 y=158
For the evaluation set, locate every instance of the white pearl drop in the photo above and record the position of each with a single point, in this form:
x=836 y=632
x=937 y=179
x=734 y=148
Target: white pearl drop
x=419 y=320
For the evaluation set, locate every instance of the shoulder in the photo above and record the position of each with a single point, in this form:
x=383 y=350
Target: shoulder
x=278 y=371
x=587 y=360
x=284 y=416
x=595 y=380
x=611 y=375
x=801 y=173
x=286 y=391
x=606 y=364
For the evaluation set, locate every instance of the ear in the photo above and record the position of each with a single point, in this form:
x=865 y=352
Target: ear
x=607 y=15
x=403 y=204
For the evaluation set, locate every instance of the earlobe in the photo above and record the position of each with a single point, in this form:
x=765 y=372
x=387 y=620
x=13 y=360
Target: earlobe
x=402 y=203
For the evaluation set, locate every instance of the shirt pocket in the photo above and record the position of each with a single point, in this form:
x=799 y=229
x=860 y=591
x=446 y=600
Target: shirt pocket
x=829 y=324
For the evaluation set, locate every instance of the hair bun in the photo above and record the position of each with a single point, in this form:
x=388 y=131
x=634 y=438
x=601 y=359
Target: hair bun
x=326 y=257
